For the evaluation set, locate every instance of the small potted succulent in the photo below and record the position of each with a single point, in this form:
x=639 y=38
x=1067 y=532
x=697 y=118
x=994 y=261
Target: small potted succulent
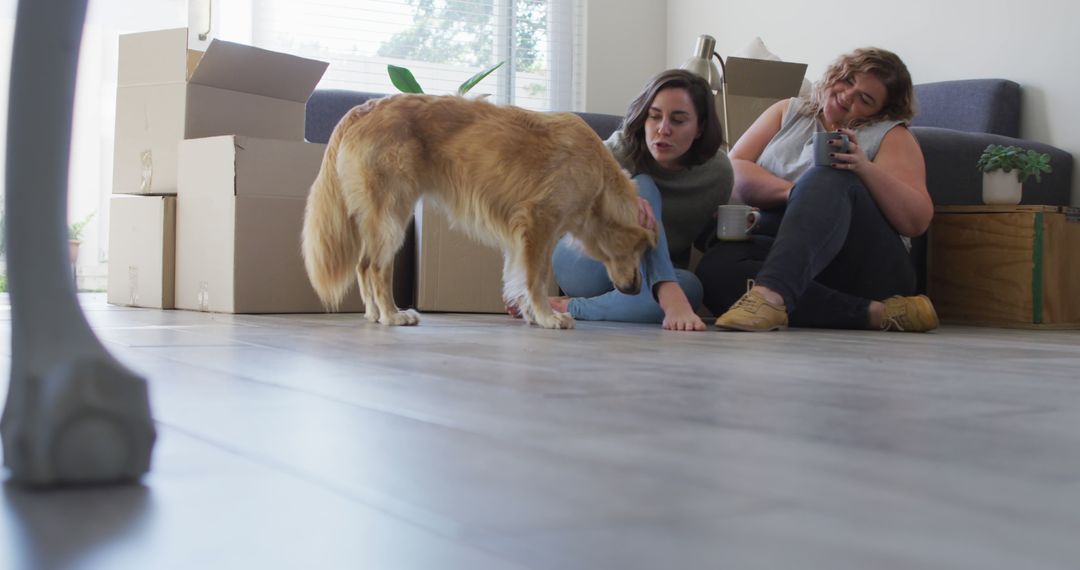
x=1006 y=168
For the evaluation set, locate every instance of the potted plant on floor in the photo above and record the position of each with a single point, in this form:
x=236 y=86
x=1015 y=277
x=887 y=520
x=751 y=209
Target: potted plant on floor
x=1006 y=168
x=75 y=232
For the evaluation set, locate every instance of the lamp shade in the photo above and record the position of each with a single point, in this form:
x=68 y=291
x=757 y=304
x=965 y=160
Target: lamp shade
x=701 y=62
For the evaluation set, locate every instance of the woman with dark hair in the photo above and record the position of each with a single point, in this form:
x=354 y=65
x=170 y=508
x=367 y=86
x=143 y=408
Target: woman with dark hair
x=840 y=256
x=670 y=143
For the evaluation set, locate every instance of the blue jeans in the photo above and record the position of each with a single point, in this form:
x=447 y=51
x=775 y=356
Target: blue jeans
x=834 y=252
x=594 y=297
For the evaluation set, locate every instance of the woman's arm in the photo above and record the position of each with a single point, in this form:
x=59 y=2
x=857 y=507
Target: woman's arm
x=896 y=179
x=753 y=184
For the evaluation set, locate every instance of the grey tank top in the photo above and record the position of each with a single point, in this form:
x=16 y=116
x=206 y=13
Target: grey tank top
x=790 y=152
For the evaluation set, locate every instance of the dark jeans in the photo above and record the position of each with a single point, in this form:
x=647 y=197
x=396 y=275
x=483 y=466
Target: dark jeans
x=834 y=252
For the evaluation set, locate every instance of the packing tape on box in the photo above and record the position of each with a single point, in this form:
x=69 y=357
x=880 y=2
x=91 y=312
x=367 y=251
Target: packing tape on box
x=147 y=158
x=133 y=284
x=204 y=296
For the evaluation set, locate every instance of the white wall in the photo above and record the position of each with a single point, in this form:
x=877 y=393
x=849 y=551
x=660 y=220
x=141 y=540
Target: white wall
x=625 y=45
x=1034 y=43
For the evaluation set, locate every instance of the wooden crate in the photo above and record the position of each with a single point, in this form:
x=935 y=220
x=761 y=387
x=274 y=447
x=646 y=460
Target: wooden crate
x=1015 y=266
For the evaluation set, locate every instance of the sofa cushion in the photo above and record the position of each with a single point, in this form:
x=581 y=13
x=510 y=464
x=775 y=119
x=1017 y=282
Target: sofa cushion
x=326 y=107
x=973 y=105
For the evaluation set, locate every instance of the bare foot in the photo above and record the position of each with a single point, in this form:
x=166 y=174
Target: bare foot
x=559 y=304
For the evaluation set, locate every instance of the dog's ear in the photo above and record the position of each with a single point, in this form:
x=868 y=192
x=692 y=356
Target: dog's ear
x=652 y=237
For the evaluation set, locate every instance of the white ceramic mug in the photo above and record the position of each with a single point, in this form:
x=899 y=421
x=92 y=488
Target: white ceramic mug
x=734 y=222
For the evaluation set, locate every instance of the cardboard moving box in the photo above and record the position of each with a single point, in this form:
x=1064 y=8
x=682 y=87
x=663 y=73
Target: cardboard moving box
x=1015 y=266
x=142 y=249
x=167 y=92
x=454 y=272
x=753 y=85
x=239 y=214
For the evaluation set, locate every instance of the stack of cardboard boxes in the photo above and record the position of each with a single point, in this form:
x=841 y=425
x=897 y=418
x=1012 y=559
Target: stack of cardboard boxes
x=211 y=173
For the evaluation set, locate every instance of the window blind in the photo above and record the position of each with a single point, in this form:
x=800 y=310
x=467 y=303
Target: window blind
x=443 y=43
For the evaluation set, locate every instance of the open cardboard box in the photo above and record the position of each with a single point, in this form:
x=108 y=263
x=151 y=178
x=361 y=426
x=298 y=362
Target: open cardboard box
x=167 y=92
x=752 y=86
x=240 y=210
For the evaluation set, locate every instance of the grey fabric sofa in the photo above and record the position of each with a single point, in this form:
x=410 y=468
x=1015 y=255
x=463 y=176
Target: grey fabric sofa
x=956 y=120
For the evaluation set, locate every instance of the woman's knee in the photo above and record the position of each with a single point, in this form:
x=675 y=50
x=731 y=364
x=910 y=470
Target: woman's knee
x=825 y=179
x=577 y=274
x=648 y=190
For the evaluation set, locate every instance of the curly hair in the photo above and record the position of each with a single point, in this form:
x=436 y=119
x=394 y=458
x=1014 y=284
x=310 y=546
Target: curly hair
x=883 y=64
x=711 y=136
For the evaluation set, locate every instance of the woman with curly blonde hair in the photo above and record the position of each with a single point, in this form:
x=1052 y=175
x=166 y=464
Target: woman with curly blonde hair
x=839 y=258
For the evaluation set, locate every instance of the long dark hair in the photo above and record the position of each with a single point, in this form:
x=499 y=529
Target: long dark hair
x=711 y=135
x=883 y=64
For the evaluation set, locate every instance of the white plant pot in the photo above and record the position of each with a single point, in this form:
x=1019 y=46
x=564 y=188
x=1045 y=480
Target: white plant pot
x=1000 y=187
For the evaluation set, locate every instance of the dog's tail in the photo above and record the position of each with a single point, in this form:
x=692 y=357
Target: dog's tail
x=331 y=240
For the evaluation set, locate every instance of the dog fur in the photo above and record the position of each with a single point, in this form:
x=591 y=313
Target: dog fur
x=515 y=179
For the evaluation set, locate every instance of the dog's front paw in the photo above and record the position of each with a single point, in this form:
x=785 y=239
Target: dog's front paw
x=407 y=317
x=555 y=320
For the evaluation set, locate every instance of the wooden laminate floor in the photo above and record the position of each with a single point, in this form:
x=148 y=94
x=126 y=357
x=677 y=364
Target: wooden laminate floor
x=475 y=442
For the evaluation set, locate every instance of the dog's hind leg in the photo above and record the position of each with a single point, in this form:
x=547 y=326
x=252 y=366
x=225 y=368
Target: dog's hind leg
x=363 y=281
x=387 y=234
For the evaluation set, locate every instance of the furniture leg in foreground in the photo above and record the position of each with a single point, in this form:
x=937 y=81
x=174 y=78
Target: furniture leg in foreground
x=74 y=414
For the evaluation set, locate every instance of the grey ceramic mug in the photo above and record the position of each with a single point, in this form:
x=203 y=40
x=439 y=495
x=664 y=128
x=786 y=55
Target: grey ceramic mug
x=822 y=148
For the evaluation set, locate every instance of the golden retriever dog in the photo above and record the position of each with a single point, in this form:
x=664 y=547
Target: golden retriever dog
x=515 y=179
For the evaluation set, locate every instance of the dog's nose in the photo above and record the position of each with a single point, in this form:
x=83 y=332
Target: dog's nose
x=635 y=286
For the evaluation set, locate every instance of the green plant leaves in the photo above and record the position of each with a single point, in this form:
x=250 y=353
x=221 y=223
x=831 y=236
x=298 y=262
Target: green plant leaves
x=472 y=81
x=403 y=79
x=75 y=230
x=1027 y=162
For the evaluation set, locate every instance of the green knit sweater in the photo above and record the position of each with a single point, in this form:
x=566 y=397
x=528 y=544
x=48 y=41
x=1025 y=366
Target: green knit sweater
x=688 y=197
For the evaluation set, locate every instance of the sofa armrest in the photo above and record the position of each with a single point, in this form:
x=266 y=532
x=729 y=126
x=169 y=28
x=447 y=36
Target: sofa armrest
x=953 y=179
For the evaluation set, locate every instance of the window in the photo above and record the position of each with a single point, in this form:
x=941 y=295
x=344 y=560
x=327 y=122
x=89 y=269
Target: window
x=443 y=42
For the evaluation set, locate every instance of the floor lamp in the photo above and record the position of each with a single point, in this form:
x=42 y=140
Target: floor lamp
x=701 y=64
